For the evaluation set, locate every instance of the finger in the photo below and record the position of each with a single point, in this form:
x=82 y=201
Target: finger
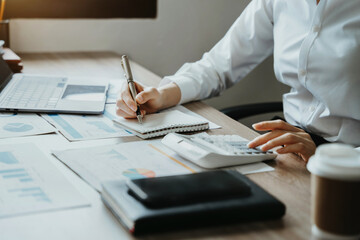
x=147 y=95
x=292 y=148
x=276 y=124
x=126 y=98
x=284 y=139
x=123 y=107
x=299 y=148
x=260 y=140
x=139 y=87
x=124 y=114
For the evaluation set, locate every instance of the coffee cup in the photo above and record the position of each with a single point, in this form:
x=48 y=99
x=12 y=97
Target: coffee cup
x=335 y=190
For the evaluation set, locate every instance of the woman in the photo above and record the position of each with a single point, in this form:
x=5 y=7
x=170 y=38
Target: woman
x=316 y=48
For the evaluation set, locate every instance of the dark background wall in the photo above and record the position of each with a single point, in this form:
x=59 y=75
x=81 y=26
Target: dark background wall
x=81 y=9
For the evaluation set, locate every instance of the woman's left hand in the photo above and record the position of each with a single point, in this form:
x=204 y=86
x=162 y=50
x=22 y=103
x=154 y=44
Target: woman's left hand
x=292 y=139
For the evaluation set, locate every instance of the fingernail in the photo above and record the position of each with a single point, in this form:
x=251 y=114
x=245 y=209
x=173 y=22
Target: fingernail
x=133 y=107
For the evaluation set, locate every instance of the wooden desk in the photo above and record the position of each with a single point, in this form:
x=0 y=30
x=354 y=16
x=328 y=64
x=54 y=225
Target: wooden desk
x=290 y=182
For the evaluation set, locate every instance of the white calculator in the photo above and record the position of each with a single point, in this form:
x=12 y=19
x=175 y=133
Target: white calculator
x=215 y=151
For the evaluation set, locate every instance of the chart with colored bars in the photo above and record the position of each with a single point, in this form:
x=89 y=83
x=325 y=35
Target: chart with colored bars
x=132 y=160
x=35 y=193
x=20 y=174
x=138 y=173
x=29 y=183
x=85 y=127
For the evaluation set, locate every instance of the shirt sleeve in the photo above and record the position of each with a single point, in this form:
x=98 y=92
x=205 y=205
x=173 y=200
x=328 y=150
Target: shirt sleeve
x=246 y=44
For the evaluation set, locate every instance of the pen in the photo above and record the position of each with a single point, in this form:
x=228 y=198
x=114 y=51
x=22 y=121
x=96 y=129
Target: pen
x=128 y=75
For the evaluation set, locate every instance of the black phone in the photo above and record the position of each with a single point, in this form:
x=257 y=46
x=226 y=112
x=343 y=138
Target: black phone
x=188 y=189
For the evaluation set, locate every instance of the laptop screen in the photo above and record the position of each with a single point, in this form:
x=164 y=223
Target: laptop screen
x=5 y=73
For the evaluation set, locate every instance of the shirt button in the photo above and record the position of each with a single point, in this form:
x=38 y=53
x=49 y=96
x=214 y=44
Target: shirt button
x=316 y=28
x=302 y=72
x=312 y=108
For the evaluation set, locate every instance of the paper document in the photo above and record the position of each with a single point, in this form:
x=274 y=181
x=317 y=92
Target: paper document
x=114 y=89
x=134 y=160
x=23 y=124
x=124 y=161
x=30 y=183
x=87 y=127
x=187 y=111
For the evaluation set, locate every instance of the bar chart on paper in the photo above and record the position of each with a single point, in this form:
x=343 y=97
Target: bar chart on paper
x=29 y=183
x=85 y=127
x=33 y=194
x=20 y=175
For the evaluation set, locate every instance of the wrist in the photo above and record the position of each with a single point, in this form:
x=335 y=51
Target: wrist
x=170 y=95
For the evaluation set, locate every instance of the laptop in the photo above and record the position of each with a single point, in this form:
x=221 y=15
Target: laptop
x=32 y=93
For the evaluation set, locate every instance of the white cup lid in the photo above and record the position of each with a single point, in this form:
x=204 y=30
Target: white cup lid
x=336 y=161
x=318 y=234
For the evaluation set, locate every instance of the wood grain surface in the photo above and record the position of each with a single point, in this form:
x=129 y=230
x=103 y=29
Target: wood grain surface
x=290 y=182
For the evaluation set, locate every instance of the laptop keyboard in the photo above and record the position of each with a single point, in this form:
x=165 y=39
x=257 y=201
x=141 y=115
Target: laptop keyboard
x=34 y=92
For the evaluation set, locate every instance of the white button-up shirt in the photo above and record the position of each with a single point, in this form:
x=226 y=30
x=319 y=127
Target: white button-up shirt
x=316 y=52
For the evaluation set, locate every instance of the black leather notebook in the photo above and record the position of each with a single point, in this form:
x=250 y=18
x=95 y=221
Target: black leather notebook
x=251 y=203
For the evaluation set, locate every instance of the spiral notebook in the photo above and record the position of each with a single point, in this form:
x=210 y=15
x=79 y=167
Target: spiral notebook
x=159 y=124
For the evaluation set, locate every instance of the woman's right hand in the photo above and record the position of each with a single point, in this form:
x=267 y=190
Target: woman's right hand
x=149 y=99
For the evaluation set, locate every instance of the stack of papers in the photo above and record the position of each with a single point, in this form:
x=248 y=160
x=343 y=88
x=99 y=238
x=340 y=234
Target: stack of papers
x=13 y=60
x=124 y=161
x=134 y=160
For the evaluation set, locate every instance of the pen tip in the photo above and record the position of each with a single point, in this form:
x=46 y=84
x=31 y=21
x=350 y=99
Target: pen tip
x=139 y=117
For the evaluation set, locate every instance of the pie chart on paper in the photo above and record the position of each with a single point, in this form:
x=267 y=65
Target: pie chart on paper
x=17 y=127
x=138 y=173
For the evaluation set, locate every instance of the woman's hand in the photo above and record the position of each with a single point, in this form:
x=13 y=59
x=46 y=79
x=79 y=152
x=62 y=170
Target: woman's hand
x=292 y=139
x=150 y=99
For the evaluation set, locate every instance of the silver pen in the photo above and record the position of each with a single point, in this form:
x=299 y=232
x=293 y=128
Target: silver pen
x=128 y=75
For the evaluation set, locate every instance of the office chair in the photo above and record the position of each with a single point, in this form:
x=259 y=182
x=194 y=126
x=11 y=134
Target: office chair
x=247 y=110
